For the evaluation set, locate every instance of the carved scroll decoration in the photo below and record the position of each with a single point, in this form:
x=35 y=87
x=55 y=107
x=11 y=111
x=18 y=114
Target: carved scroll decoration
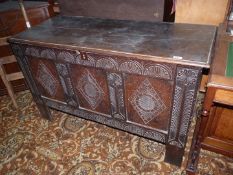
x=183 y=103
x=131 y=67
x=48 y=53
x=116 y=95
x=158 y=70
x=85 y=59
x=107 y=63
x=146 y=102
x=44 y=53
x=31 y=51
x=66 y=56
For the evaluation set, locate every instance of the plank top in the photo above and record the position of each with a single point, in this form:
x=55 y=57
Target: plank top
x=177 y=43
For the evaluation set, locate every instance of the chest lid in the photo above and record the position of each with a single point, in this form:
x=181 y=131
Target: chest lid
x=164 y=42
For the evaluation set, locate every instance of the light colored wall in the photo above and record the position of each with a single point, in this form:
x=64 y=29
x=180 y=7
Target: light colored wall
x=201 y=11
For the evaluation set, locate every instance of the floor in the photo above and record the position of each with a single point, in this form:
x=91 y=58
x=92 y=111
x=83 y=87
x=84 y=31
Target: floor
x=69 y=145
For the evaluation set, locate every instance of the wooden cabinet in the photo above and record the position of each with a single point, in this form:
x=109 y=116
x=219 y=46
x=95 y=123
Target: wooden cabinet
x=12 y=22
x=214 y=130
x=192 y=11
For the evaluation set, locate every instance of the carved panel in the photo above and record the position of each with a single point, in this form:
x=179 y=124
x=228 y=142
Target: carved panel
x=47 y=79
x=116 y=95
x=184 y=98
x=91 y=88
x=148 y=101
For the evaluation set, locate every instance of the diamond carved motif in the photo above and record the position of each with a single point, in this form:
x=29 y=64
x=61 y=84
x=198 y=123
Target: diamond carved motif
x=146 y=102
x=90 y=89
x=46 y=79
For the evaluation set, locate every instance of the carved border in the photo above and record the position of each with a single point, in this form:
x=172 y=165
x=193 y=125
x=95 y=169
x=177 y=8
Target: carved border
x=120 y=64
x=122 y=125
x=116 y=92
x=63 y=74
x=183 y=104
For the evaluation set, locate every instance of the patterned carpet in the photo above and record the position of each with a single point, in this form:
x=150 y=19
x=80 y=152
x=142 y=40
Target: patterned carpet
x=69 y=145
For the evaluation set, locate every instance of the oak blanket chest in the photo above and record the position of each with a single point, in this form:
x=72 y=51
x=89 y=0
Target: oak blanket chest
x=140 y=77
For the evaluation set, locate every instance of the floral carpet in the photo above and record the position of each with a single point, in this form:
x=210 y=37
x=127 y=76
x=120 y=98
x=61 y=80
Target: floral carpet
x=69 y=145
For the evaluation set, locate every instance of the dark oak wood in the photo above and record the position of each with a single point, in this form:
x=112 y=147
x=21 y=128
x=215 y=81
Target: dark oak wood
x=12 y=22
x=214 y=129
x=140 y=77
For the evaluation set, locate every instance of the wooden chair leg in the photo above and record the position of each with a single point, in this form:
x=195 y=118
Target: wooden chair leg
x=8 y=86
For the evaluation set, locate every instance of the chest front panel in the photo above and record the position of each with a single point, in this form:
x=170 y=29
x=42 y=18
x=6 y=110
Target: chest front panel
x=144 y=97
x=148 y=101
x=46 y=78
x=91 y=88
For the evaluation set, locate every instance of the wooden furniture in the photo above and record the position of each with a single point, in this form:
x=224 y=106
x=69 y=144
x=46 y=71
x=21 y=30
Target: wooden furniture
x=7 y=78
x=12 y=22
x=215 y=127
x=137 y=76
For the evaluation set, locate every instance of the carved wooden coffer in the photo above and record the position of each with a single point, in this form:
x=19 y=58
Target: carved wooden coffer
x=151 y=98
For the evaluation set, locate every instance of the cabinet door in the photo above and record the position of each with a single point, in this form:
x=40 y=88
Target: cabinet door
x=224 y=117
x=218 y=133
